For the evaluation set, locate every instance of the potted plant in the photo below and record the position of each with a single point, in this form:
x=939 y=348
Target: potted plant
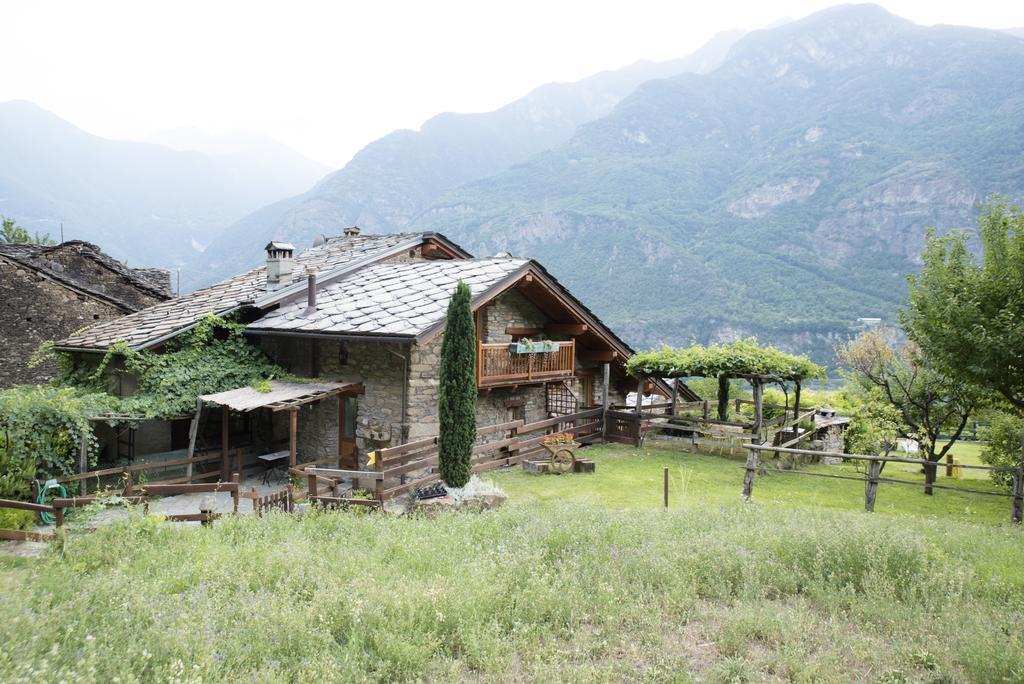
x=562 y=446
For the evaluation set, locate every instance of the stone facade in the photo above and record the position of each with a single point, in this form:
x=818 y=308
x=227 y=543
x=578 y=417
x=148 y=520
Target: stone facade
x=382 y=368
x=48 y=292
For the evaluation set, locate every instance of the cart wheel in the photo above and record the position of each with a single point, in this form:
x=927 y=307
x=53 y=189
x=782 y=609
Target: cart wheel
x=562 y=461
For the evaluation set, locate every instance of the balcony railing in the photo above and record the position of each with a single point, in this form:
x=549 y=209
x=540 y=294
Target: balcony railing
x=500 y=363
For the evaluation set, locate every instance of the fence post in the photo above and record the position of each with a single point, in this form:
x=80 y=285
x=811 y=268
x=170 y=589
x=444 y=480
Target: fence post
x=748 y=476
x=640 y=382
x=83 y=463
x=871 y=486
x=234 y=493
x=379 y=467
x=1018 y=496
x=311 y=484
x=128 y=483
x=666 y=486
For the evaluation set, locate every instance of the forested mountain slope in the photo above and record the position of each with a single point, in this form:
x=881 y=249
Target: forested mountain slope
x=784 y=194
x=394 y=179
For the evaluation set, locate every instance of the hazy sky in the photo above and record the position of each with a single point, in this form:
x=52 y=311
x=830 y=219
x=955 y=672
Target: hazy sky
x=326 y=78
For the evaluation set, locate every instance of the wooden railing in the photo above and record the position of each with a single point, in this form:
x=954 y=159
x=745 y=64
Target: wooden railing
x=497 y=363
x=408 y=466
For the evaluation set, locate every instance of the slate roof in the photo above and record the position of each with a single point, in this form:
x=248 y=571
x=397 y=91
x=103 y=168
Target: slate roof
x=401 y=299
x=153 y=281
x=149 y=326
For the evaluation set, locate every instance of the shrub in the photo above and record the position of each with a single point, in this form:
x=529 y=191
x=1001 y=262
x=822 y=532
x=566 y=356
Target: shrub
x=14 y=519
x=1004 y=446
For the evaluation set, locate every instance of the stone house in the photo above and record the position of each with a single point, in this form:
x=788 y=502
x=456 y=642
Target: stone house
x=370 y=309
x=50 y=291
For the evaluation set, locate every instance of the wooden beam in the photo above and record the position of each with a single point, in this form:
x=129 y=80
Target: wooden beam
x=193 y=431
x=523 y=332
x=605 y=356
x=293 y=428
x=224 y=429
x=565 y=328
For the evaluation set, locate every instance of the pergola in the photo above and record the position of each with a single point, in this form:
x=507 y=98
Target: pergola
x=282 y=396
x=744 y=359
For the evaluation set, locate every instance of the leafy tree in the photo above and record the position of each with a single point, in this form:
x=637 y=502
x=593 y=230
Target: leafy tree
x=1004 y=444
x=457 y=405
x=968 y=317
x=928 y=401
x=12 y=233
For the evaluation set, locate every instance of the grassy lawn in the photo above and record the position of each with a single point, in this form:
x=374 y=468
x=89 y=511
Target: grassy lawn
x=628 y=479
x=577 y=578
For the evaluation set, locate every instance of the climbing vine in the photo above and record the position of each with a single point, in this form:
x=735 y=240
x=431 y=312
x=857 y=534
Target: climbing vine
x=41 y=425
x=41 y=428
x=743 y=357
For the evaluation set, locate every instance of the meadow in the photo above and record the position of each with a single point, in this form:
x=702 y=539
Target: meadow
x=577 y=578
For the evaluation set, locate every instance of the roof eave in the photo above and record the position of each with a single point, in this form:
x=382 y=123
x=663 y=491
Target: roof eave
x=343 y=337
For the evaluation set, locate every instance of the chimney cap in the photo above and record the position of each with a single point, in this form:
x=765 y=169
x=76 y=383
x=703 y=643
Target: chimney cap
x=275 y=245
x=351 y=231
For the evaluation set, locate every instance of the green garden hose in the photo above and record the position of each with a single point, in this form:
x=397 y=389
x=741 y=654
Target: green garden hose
x=45 y=497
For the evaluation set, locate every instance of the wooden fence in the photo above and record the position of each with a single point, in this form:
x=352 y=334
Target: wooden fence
x=402 y=468
x=25 y=535
x=873 y=476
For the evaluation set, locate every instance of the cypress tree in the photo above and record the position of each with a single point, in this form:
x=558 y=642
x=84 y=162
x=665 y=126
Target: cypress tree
x=456 y=408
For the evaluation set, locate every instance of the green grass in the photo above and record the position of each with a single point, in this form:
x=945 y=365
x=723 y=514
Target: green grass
x=628 y=479
x=578 y=578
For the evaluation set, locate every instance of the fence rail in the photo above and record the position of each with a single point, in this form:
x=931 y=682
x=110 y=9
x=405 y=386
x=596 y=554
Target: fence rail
x=405 y=467
x=873 y=477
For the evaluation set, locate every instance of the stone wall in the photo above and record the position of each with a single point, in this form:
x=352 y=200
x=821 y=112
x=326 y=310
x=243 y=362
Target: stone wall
x=510 y=310
x=85 y=264
x=37 y=309
x=48 y=293
x=378 y=365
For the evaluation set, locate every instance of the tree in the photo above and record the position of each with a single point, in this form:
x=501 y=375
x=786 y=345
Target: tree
x=968 y=317
x=12 y=233
x=928 y=401
x=457 y=404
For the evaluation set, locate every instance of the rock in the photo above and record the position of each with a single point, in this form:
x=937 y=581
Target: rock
x=478 y=495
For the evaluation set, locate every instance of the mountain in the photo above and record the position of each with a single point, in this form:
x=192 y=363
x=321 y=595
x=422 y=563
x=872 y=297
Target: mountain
x=146 y=203
x=784 y=194
x=265 y=156
x=394 y=179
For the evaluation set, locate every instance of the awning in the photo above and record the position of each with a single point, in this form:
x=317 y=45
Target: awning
x=282 y=395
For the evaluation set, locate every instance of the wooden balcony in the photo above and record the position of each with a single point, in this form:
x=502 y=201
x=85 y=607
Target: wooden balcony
x=499 y=364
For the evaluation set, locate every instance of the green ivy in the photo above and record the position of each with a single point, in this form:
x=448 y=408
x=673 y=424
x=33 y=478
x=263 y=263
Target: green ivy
x=41 y=425
x=743 y=357
x=41 y=428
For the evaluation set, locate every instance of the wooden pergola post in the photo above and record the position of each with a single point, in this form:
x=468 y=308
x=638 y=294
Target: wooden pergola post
x=341 y=430
x=605 y=399
x=224 y=430
x=758 y=408
x=796 y=402
x=293 y=427
x=675 y=396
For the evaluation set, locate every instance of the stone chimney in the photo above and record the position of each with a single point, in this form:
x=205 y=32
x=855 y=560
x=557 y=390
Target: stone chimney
x=351 y=231
x=280 y=263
